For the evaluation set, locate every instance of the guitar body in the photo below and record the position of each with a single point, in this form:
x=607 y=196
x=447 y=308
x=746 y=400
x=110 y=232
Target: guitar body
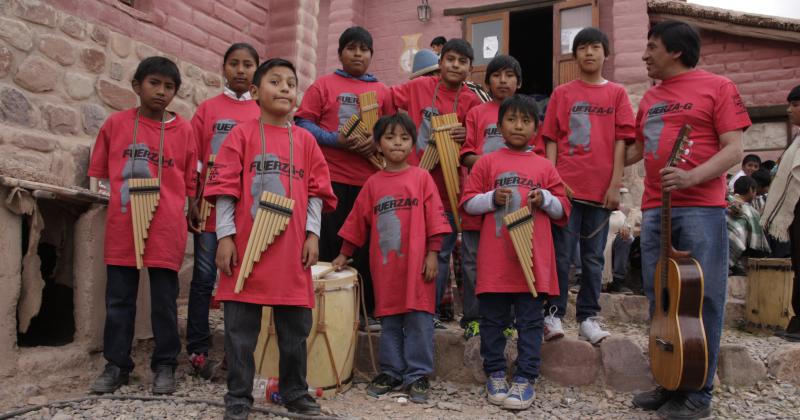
x=678 y=348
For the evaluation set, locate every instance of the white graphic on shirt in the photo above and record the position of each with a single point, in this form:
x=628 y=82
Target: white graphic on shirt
x=140 y=170
x=580 y=127
x=266 y=177
x=389 y=228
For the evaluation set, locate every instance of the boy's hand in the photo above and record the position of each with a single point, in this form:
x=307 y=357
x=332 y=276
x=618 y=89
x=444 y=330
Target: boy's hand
x=501 y=196
x=310 y=250
x=431 y=267
x=226 y=255
x=535 y=199
x=458 y=134
x=611 y=201
x=343 y=141
x=365 y=149
x=193 y=217
x=339 y=262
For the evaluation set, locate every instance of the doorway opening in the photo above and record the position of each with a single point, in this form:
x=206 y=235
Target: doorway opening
x=530 y=41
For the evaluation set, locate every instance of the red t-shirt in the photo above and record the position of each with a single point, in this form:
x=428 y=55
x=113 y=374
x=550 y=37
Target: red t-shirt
x=329 y=102
x=586 y=121
x=279 y=277
x=416 y=98
x=115 y=159
x=499 y=270
x=212 y=122
x=712 y=106
x=398 y=212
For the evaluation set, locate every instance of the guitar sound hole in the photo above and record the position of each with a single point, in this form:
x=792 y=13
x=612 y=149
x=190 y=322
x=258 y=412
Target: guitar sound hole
x=665 y=300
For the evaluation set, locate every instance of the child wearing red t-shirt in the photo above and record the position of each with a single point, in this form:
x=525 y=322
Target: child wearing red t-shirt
x=400 y=215
x=502 y=182
x=212 y=122
x=438 y=95
x=269 y=154
x=585 y=128
x=503 y=77
x=145 y=142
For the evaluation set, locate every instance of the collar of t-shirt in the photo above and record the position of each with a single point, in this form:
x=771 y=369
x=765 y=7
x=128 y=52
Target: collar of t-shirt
x=366 y=77
x=231 y=94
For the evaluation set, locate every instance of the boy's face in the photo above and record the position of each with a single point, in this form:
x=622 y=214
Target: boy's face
x=155 y=91
x=437 y=48
x=355 y=58
x=503 y=83
x=277 y=91
x=590 y=57
x=750 y=167
x=657 y=59
x=794 y=112
x=239 y=69
x=454 y=67
x=395 y=144
x=517 y=129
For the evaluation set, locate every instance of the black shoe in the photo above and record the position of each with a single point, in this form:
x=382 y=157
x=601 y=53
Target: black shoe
x=305 y=405
x=682 y=408
x=382 y=384
x=652 y=400
x=203 y=366
x=418 y=390
x=110 y=380
x=164 y=380
x=236 y=412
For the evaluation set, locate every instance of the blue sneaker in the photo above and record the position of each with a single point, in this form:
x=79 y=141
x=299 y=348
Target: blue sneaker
x=497 y=387
x=521 y=394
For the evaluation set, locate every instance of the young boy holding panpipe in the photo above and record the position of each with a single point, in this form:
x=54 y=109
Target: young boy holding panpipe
x=269 y=154
x=145 y=142
x=424 y=97
x=501 y=183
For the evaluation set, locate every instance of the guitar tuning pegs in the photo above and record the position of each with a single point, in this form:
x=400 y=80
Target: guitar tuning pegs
x=683 y=160
x=686 y=152
x=690 y=143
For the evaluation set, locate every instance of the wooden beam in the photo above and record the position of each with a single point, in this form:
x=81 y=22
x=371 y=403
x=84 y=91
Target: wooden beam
x=68 y=194
x=731 y=28
x=767 y=113
x=508 y=5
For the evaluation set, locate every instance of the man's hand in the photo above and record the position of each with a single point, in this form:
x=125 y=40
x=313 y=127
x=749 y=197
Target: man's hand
x=535 y=199
x=339 y=262
x=611 y=200
x=458 y=134
x=431 y=267
x=226 y=255
x=673 y=178
x=310 y=250
x=501 y=196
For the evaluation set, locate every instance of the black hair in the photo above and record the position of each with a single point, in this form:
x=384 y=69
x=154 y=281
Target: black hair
x=439 y=40
x=521 y=104
x=794 y=94
x=271 y=63
x=768 y=164
x=458 y=46
x=743 y=185
x=502 y=62
x=240 y=46
x=388 y=122
x=162 y=66
x=762 y=177
x=590 y=35
x=355 y=34
x=751 y=158
x=678 y=37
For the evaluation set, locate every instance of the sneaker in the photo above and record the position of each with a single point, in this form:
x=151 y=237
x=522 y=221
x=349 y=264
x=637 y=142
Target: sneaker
x=304 y=405
x=203 y=366
x=418 y=390
x=372 y=325
x=438 y=324
x=472 y=329
x=590 y=330
x=509 y=332
x=236 y=412
x=684 y=409
x=164 y=380
x=652 y=400
x=382 y=384
x=110 y=380
x=552 y=326
x=520 y=395
x=497 y=387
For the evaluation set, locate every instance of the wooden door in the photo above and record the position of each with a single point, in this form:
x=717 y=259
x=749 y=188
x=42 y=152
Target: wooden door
x=488 y=35
x=569 y=17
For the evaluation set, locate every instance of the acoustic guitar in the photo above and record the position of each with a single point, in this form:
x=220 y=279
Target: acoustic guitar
x=678 y=348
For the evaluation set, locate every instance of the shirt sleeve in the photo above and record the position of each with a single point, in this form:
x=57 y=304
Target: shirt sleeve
x=319 y=178
x=730 y=113
x=436 y=222
x=471 y=142
x=555 y=187
x=198 y=121
x=322 y=136
x=551 y=205
x=476 y=182
x=190 y=166
x=550 y=126
x=639 y=123
x=314 y=215
x=624 y=121
x=226 y=174
x=480 y=204
x=355 y=229
x=98 y=164
x=401 y=95
x=387 y=103
x=226 y=225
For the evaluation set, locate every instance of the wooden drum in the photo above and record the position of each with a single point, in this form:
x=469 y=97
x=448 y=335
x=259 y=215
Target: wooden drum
x=769 y=293
x=331 y=344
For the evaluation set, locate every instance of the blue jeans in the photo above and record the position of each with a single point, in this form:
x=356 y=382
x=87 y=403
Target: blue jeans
x=405 y=348
x=589 y=226
x=469 y=275
x=703 y=232
x=204 y=274
x=443 y=277
x=495 y=310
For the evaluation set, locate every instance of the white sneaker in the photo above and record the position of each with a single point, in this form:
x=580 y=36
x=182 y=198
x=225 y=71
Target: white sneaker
x=552 y=327
x=590 y=330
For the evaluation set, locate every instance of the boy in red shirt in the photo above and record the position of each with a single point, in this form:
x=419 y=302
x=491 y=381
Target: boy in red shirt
x=500 y=183
x=503 y=78
x=145 y=142
x=327 y=105
x=400 y=215
x=585 y=128
x=438 y=95
x=269 y=154
x=212 y=122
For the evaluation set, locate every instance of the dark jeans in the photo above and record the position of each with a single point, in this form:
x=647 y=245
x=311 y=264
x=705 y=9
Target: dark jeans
x=330 y=243
x=204 y=274
x=794 y=239
x=443 y=275
x=405 y=348
x=469 y=274
x=495 y=310
x=621 y=257
x=588 y=227
x=242 y=326
x=122 y=286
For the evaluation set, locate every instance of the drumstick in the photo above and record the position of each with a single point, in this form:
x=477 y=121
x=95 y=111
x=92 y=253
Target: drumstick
x=330 y=269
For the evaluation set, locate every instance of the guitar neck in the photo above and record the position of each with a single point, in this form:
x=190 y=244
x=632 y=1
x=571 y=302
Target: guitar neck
x=666 y=227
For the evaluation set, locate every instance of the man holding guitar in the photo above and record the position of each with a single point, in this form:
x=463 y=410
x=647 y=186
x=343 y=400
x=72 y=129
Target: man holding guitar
x=711 y=105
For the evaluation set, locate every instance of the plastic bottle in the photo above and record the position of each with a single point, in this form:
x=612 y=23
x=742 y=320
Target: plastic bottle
x=273 y=395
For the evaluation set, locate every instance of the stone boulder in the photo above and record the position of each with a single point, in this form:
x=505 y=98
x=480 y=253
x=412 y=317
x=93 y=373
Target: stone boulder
x=625 y=367
x=736 y=367
x=570 y=362
x=784 y=363
x=624 y=308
